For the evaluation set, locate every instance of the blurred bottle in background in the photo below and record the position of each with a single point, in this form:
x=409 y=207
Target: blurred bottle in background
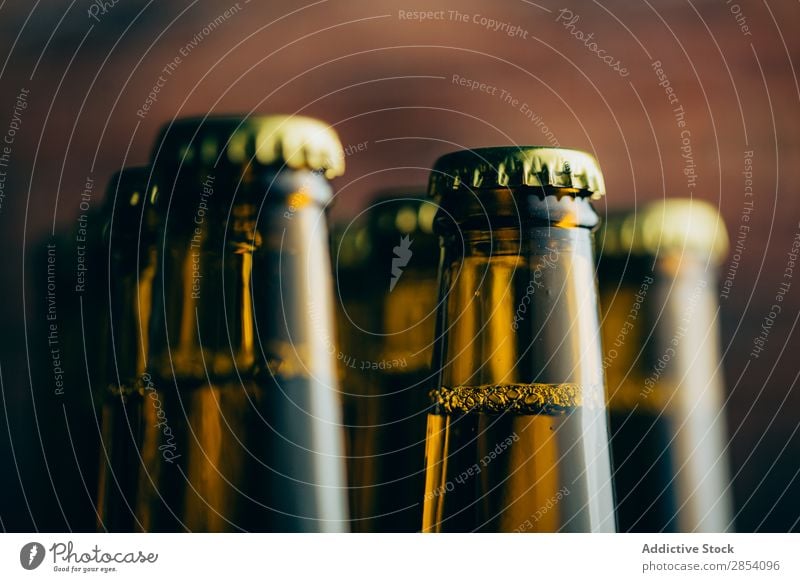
x=243 y=429
x=386 y=265
x=517 y=438
x=658 y=285
x=130 y=238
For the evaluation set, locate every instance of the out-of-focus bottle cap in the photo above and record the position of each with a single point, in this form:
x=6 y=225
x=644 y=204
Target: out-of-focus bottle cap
x=673 y=226
x=510 y=167
x=401 y=211
x=293 y=141
x=129 y=190
x=391 y=214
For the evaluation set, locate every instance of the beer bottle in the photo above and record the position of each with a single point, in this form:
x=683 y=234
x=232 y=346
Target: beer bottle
x=131 y=245
x=662 y=358
x=245 y=417
x=517 y=434
x=386 y=262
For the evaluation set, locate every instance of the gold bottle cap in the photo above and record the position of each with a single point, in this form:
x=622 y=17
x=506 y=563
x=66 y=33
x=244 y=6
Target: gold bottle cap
x=510 y=167
x=300 y=143
x=391 y=214
x=401 y=211
x=671 y=226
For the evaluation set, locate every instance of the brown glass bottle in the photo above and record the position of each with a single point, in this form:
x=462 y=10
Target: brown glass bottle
x=130 y=239
x=386 y=264
x=517 y=435
x=658 y=280
x=246 y=405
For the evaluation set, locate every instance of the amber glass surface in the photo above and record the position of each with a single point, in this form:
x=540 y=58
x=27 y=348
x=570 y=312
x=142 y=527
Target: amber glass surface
x=130 y=243
x=386 y=266
x=665 y=393
x=517 y=436
x=243 y=430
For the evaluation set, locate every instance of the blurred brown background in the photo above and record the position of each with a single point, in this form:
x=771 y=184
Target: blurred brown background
x=386 y=81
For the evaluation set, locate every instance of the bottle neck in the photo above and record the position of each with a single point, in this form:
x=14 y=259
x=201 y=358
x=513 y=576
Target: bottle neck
x=519 y=306
x=206 y=321
x=130 y=287
x=660 y=331
x=464 y=210
x=130 y=243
